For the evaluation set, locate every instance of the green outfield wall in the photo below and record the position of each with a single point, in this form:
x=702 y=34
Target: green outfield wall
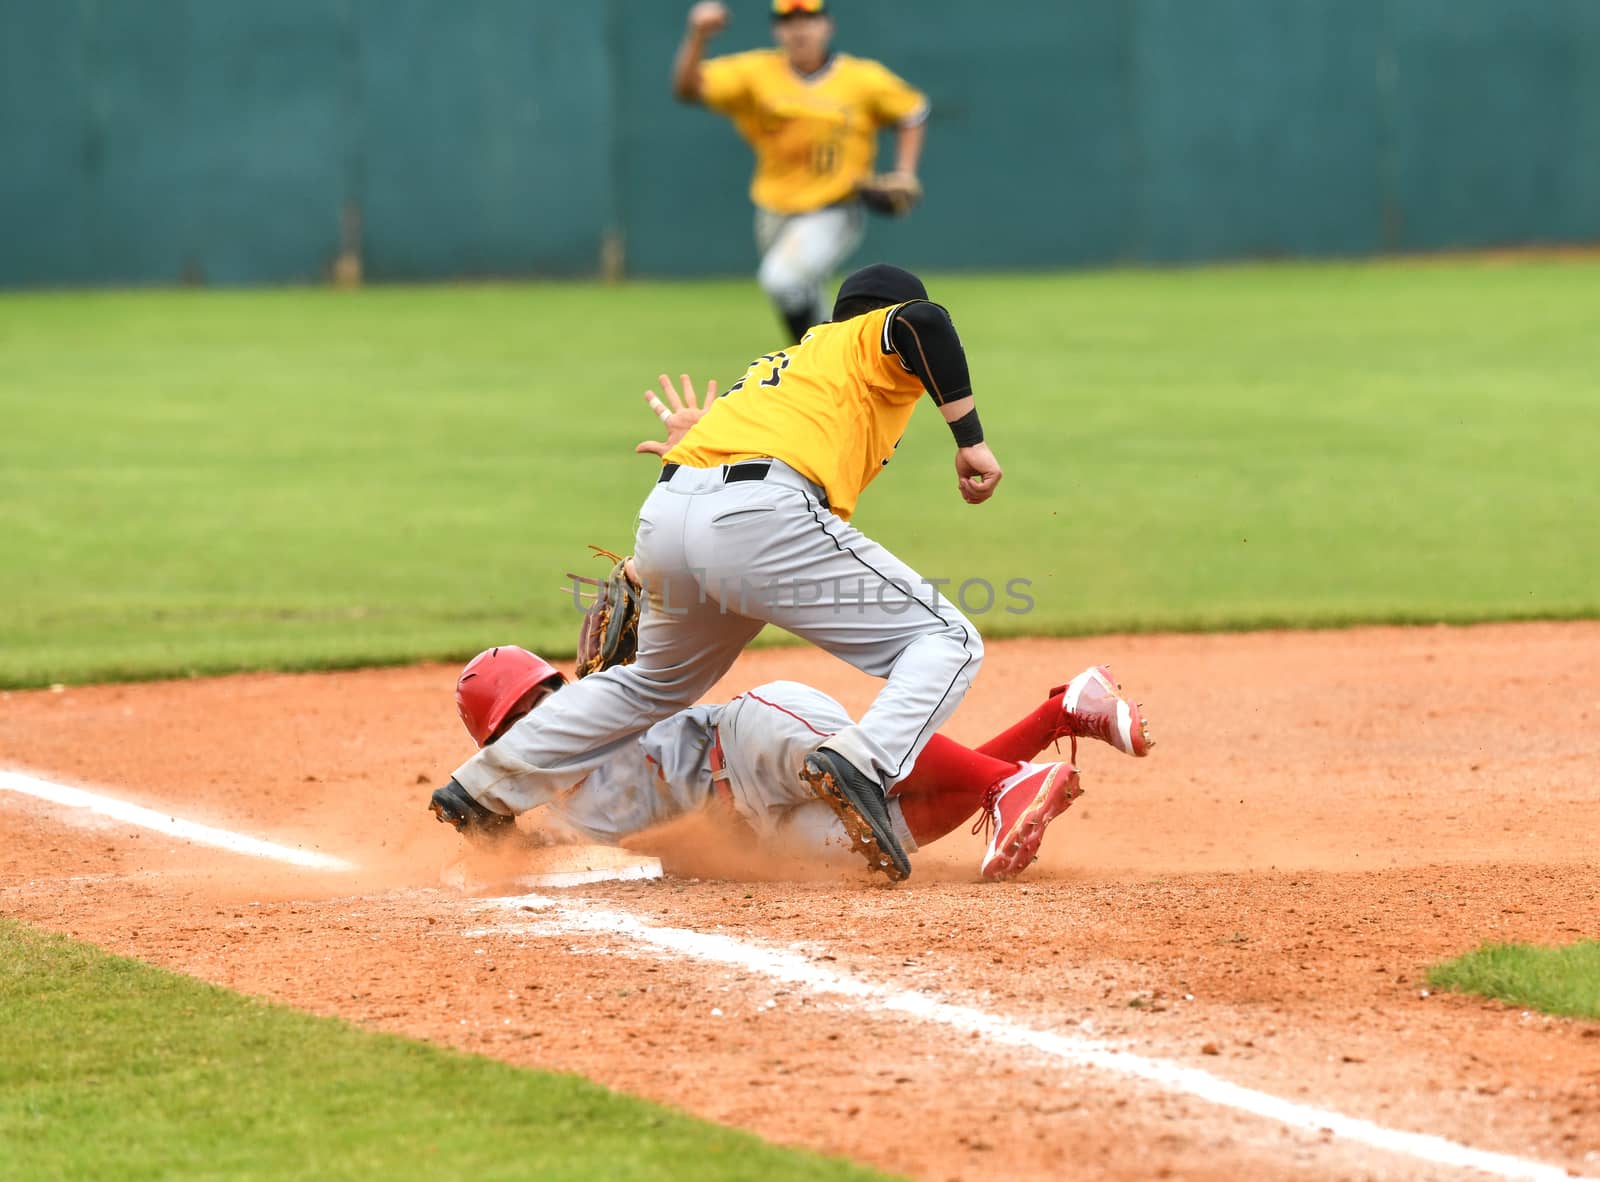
x=239 y=141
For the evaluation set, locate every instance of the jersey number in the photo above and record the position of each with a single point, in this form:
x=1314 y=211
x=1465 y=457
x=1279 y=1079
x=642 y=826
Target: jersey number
x=779 y=362
x=825 y=158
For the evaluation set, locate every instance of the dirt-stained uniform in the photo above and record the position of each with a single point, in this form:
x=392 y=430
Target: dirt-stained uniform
x=761 y=736
x=739 y=761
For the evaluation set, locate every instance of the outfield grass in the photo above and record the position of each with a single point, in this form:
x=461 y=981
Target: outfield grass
x=201 y=481
x=224 y=1087
x=1564 y=980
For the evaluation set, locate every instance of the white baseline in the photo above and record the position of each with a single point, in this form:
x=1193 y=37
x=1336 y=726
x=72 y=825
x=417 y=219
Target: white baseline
x=133 y=814
x=792 y=968
x=1074 y=1050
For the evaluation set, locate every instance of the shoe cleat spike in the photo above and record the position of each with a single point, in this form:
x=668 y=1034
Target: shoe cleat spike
x=1099 y=710
x=1018 y=813
x=860 y=806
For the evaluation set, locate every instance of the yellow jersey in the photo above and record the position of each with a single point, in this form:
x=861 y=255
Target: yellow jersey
x=832 y=407
x=816 y=137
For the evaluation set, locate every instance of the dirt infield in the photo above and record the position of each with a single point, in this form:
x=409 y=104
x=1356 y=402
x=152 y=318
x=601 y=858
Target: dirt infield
x=1324 y=815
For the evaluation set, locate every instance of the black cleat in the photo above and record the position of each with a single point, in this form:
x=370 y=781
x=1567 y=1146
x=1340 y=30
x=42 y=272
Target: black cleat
x=800 y=323
x=861 y=805
x=453 y=805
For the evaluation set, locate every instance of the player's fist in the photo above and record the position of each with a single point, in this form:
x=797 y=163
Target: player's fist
x=977 y=473
x=708 y=18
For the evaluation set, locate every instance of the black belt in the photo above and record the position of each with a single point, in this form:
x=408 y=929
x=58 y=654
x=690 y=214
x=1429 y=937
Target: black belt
x=736 y=473
x=731 y=473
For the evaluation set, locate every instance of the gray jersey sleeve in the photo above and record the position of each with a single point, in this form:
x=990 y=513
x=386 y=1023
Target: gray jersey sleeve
x=661 y=776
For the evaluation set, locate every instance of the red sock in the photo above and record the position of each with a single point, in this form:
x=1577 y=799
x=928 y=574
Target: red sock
x=946 y=787
x=1032 y=735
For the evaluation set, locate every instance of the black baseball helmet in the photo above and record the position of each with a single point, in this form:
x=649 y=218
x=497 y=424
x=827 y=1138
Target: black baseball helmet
x=877 y=286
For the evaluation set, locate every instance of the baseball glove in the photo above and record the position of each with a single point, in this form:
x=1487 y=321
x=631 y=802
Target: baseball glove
x=893 y=194
x=609 y=634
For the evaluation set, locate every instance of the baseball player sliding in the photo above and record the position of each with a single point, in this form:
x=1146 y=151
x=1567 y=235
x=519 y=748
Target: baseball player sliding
x=748 y=524
x=812 y=116
x=739 y=759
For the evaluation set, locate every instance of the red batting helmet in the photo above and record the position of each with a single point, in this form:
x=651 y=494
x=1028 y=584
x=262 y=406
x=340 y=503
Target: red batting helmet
x=493 y=682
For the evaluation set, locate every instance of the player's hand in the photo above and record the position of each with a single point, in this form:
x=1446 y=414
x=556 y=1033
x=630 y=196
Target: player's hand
x=676 y=414
x=708 y=18
x=977 y=473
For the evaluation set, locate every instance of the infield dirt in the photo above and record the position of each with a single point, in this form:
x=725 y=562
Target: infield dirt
x=1324 y=815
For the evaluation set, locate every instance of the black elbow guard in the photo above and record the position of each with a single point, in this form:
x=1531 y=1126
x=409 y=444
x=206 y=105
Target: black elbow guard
x=928 y=319
x=924 y=336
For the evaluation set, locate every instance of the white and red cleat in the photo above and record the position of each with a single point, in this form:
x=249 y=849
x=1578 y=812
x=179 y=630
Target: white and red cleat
x=1095 y=709
x=1018 y=809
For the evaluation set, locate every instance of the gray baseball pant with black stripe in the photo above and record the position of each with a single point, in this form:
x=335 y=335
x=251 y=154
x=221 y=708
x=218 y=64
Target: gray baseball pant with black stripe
x=800 y=251
x=718 y=561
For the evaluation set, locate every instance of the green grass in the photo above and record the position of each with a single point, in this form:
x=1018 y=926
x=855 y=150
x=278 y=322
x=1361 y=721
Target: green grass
x=1563 y=980
x=110 y=1068
x=202 y=481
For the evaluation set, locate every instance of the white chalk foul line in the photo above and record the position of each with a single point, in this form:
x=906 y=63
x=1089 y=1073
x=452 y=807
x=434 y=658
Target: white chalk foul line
x=132 y=814
x=1073 y=1050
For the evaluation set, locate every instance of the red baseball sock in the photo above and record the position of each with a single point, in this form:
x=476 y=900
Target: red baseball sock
x=946 y=787
x=1032 y=735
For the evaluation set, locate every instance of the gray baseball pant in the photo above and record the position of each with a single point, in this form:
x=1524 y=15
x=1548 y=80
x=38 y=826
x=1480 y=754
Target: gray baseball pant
x=801 y=251
x=718 y=560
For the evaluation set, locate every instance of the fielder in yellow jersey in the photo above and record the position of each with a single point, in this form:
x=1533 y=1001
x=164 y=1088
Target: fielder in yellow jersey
x=832 y=407
x=727 y=545
x=749 y=525
x=816 y=138
x=812 y=118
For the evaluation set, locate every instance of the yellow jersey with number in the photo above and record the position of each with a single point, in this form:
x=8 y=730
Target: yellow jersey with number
x=815 y=137
x=832 y=407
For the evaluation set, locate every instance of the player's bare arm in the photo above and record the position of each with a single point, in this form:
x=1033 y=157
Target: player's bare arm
x=677 y=414
x=706 y=20
x=908 y=147
x=924 y=337
x=909 y=140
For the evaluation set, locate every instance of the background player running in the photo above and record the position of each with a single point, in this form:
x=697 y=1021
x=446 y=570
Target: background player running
x=741 y=761
x=812 y=116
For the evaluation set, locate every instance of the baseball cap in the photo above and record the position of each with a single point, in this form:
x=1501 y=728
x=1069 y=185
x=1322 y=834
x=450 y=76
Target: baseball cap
x=787 y=8
x=883 y=284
